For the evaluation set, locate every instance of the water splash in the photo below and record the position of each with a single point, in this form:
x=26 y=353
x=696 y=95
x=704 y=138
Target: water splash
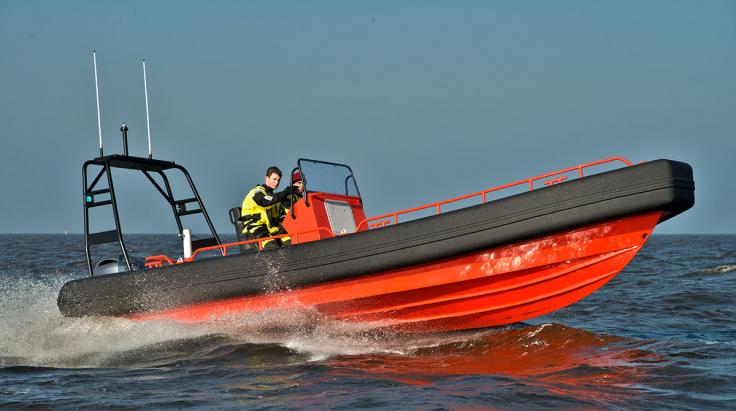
x=34 y=333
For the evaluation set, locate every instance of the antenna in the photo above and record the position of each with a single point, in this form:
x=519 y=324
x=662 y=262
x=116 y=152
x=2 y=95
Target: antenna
x=97 y=94
x=148 y=121
x=124 y=130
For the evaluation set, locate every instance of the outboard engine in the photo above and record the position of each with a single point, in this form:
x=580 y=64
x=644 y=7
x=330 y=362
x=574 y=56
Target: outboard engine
x=112 y=265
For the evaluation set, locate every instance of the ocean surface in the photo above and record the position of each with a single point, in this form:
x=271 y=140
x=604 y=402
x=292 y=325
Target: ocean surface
x=661 y=335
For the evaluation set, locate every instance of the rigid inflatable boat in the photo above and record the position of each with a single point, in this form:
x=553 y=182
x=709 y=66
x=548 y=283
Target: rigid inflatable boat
x=496 y=261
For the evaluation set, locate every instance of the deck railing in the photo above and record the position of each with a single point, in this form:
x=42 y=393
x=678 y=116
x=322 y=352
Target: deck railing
x=393 y=218
x=379 y=221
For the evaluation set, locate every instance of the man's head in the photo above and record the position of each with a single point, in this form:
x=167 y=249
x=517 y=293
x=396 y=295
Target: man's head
x=273 y=177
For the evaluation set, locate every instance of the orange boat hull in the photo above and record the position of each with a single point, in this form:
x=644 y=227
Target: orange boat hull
x=489 y=288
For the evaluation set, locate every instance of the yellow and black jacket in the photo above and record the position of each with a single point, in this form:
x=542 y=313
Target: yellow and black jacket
x=262 y=210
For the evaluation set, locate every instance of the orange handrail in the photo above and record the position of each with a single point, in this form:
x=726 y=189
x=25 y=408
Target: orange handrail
x=158 y=260
x=386 y=219
x=260 y=242
x=484 y=193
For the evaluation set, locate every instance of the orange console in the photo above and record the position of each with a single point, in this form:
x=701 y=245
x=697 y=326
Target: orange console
x=321 y=215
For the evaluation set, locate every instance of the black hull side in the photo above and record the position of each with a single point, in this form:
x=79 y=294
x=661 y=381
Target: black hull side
x=661 y=185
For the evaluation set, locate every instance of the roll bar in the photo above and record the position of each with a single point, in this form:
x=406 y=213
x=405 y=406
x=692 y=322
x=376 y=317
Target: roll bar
x=146 y=166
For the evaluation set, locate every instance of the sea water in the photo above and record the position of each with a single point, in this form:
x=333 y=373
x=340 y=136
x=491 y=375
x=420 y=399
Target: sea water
x=661 y=335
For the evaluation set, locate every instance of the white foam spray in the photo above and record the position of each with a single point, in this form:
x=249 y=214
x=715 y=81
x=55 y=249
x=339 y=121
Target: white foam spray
x=34 y=333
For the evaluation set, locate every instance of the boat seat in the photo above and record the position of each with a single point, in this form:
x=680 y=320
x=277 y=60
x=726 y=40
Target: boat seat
x=237 y=221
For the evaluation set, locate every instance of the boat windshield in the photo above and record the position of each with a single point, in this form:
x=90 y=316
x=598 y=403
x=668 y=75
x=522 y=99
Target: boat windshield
x=328 y=177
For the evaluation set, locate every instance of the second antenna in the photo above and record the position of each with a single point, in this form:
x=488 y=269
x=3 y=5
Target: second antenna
x=148 y=121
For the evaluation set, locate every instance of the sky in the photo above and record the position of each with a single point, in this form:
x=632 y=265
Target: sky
x=425 y=100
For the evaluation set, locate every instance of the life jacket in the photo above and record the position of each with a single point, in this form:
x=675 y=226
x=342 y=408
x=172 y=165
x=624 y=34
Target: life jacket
x=255 y=216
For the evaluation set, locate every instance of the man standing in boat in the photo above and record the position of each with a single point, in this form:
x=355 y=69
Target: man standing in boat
x=263 y=209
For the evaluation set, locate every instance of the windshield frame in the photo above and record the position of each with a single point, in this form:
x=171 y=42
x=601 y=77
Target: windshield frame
x=351 y=175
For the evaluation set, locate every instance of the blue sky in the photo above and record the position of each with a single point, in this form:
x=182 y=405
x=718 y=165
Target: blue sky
x=424 y=99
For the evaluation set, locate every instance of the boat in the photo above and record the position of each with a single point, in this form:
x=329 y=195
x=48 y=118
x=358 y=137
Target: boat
x=444 y=266
x=503 y=260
